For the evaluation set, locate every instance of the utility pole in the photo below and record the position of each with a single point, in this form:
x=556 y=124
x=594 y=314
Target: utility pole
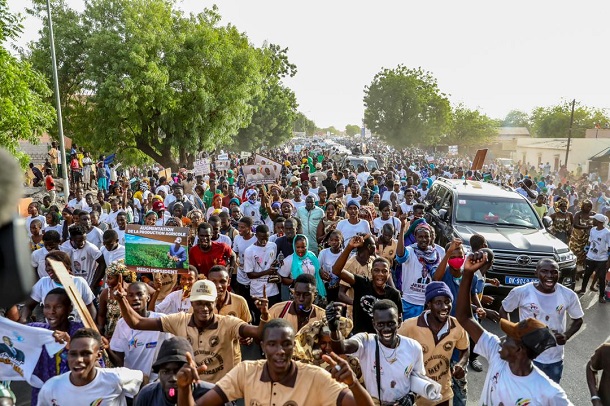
x=570 y=134
x=60 y=125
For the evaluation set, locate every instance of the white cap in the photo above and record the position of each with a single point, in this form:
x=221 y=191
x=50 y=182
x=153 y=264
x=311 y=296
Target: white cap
x=203 y=290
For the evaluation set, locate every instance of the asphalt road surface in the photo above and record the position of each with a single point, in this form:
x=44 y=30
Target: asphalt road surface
x=595 y=330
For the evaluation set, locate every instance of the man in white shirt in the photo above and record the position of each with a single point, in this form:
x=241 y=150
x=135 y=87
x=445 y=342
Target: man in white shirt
x=87 y=259
x=112 y=251
x=87 y=384
x=51 y=240
x=258 y=260
x=549 y=301
x=512 y=377
x=79 y=202
x=396 y=356
x=136 y=349
x=598 y=256
x=94 y=234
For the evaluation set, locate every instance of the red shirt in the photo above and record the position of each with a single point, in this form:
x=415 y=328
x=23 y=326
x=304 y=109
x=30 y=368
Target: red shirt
x=219 y=254
x=49 y=182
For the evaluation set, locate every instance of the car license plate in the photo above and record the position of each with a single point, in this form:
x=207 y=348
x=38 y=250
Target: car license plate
x=517 y=280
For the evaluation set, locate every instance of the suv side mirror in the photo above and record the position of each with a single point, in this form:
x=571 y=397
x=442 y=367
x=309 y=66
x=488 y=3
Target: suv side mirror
x=443 y=214
x=547 y=221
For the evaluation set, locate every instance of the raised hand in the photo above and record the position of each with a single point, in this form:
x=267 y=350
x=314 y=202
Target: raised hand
x=189 y=373
x=474 y=261
x=262 y=303
x=455 y=244
x=333 y=313
x=340 y=369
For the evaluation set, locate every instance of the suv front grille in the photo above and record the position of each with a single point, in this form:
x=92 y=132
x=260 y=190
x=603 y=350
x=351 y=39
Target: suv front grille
x=522 y=264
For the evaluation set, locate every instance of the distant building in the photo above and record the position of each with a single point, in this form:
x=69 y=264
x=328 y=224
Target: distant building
x=504 y=145
x=38 y=152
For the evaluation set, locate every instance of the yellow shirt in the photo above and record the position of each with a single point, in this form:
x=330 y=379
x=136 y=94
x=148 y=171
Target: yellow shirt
x=214 y=346
x=305 y=385
x=317 y=313
x=437 y=356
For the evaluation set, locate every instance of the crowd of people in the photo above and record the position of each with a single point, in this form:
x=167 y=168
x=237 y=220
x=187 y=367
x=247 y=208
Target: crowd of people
x=332 y=274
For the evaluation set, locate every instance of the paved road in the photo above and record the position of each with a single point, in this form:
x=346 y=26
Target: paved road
x=595 y=330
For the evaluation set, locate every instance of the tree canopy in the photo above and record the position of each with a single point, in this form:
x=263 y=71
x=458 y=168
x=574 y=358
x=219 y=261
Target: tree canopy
x=405 y=107
x=142 y=75
x=24 y=111
x=554 y=121
x=470 y=127
x=304 y=124
x=352 y=129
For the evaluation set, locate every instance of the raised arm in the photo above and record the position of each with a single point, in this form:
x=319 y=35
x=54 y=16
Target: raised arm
x=250 y=331
x=337 y=342
x=132 y=318
x=442 y=268
x=463 y=310
x=400 y=248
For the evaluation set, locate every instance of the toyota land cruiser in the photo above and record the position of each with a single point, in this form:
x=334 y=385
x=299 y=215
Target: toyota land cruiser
x=507 y=220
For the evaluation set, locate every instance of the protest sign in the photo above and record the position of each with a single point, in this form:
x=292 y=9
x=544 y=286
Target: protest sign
x=156 y=249
x=259 y=174
x=223 y=165
x=244 y=155
x=201 y=166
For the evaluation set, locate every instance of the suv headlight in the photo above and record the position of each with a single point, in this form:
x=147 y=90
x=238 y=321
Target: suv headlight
x=567 y=257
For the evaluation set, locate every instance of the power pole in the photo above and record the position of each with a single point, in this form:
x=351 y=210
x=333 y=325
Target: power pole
x=60 y=127
x=570 y=133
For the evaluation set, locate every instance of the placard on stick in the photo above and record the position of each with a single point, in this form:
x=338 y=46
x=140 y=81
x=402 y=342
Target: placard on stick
x=77 y=301
x=160 y=249
x=479 y=158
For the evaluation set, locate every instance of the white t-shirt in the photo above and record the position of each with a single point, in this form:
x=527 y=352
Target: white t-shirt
x=551 y=309
x=503 y=387
x=298 y=204
x=253 y=211
x=378 y=224
x=108 y=388
x=350 y=230
x=387 y=195
x=80 y=205
x=59 y=228
x=29 y=219
x=415 y=277
x=406 y=207
x=84 y=260
x=395 y=381
x=96 y=237
x=38 y=262
x=46 y=284
x=114 y=255
x=140 y=347
x=174 y=303
x=258 y=259
x=112 y=219
x=121 y=234
x=239 y=248
x=362 y=177
x=599 y=242
x=327 y=260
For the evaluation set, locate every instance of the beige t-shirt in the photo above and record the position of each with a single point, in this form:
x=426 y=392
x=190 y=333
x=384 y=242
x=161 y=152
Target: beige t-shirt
x=235 y=306
x=437 y=357
x=215 y=346
x=305 y=385
x=317 y=313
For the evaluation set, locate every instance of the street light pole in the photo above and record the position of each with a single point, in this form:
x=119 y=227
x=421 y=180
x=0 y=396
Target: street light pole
x=60 y=125
x=570 y=134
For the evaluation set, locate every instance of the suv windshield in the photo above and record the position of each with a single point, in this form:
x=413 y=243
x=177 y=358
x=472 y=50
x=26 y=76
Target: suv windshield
x=513 y=212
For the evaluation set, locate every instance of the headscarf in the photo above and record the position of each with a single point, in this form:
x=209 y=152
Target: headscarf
x=235 y=200
x=214 y=199
x=297 y=264
x=410 y=234
x=429 y=258
x=118 y=268
x=149 y=212
x=249 y=194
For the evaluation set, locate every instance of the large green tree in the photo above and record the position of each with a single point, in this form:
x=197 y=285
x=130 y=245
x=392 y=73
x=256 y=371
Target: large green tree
x=304 y=124
x=405 y=107
x=24 y=111
x=352 y=129
x=470 y=127
x=157 y=80
x=516 y=118
x=554 y=121
x=275 y=109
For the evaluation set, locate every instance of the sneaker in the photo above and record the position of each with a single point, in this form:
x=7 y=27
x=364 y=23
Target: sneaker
x=476 y=365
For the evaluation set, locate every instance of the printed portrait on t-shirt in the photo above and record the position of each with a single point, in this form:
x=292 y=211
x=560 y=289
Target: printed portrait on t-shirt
x=7 y=350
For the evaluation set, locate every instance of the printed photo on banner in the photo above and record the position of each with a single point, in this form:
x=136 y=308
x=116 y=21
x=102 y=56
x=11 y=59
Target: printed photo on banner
x=262 y=160
x=156 y=249
x=223 y=165
x=259 y=174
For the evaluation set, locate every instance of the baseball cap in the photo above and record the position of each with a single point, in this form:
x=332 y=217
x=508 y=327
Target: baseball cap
x=601 y=218
x=172 y=350
x=203 y=290
x=294 y=179
x=534 y=334
x=158 y=206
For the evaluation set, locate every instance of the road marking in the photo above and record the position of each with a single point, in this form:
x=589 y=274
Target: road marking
x=592 y=302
